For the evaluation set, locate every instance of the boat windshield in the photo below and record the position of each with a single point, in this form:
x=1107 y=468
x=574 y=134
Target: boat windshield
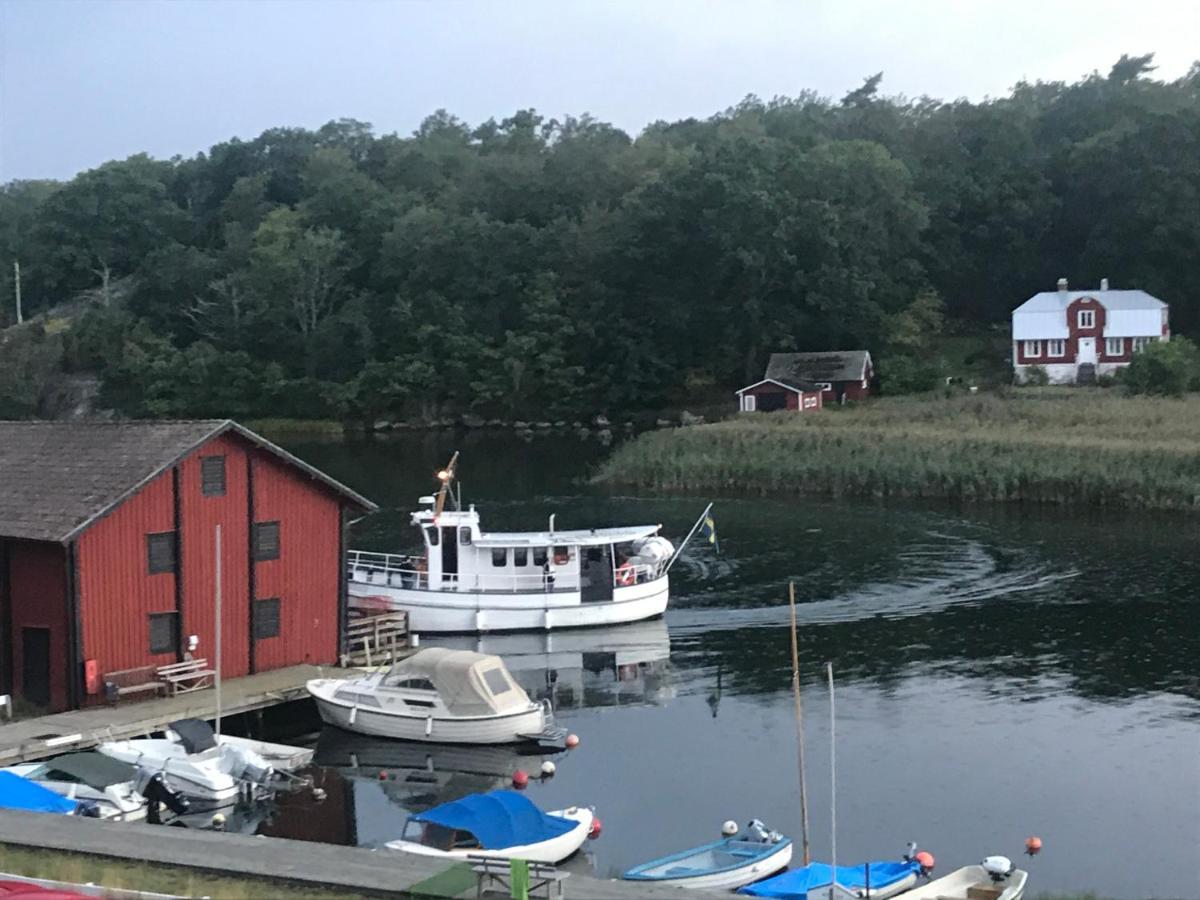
x=430 y=834
x=400 y=678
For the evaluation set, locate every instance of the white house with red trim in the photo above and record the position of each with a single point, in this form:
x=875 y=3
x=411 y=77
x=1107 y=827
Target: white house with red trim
x=1077 y=335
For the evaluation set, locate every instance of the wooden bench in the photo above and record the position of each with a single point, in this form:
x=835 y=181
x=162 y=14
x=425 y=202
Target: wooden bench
x=124 y=682
x=494 y=873
x=185 y=677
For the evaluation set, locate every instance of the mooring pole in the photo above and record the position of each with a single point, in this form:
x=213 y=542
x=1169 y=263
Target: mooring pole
x=217 y=612
x=799 y=725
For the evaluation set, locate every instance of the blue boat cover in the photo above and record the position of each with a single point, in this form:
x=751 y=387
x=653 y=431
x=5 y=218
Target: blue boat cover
x=796 y=883
x=21 y=793
x=498 y=819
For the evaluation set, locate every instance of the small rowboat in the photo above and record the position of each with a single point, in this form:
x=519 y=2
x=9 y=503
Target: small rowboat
x=723 y=865
x=995 y=879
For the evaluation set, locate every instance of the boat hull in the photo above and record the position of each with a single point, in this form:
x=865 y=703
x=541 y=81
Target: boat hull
x=200 y=780
x=957 y=885
x=552 y=851
x=688 y=869
x=484 y=611
x=510 y=728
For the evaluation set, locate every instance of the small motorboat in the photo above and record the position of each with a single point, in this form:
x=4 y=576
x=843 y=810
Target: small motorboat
x=499 y=823
x=117 y=790
x=738 y=859
x=996 y=878
x=195 y=763
x=876 y=880
x=21 y=793
x=440 y=695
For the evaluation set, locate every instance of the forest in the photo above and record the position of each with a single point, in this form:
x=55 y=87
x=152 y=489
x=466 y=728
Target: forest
x=547 y=268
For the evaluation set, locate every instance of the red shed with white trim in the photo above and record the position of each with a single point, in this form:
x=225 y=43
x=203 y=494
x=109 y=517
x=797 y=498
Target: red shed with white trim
x=107 y=553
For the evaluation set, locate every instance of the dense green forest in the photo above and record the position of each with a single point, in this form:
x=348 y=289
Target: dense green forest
x=545 y=268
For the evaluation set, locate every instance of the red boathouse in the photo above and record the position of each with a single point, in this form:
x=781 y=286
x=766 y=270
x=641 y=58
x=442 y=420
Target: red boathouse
x=107 y=553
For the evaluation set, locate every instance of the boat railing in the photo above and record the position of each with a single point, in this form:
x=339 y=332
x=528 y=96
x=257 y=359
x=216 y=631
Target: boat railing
x=396 y=570
x=626 y=575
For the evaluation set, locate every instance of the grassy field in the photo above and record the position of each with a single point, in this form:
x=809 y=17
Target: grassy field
x=1050 y=445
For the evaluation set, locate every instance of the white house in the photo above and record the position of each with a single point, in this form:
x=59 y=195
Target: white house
x=1076 y=335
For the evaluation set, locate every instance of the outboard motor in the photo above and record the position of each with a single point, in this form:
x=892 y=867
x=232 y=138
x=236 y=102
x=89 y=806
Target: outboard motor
x=758 y=831
x=247 y=766
x=89 y=809
x=153 y=787
x=998 y=867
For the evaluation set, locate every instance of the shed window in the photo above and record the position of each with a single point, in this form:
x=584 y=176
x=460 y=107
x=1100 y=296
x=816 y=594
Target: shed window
x=212 y=476
x=266 y=618
x=500 y=556
x=520 y=556
x=160 y=552
x=1033 y=348
x=1087 y=318
x=266 y=541
x=1114 y=346
x=464 y=536
x=540 y=555
x=163 y=633
x=1056 y=348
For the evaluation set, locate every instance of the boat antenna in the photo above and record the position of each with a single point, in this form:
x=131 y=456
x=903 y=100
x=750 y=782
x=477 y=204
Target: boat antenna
x=832 y=784
x=446 y=477
x=799 y=726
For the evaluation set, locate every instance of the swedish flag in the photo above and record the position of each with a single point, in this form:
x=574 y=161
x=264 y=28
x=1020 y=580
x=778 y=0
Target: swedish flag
x=709 y=532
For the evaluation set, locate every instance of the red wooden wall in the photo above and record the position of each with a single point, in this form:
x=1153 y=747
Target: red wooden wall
x=37 y=584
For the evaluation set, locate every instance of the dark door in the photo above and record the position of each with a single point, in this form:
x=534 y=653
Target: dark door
x=772 y=402
x=35 y=665
x=449 y=551
x=596 y=574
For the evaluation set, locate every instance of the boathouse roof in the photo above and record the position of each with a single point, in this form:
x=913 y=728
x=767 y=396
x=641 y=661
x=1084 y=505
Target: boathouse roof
x=57 y=478
x=803 y=368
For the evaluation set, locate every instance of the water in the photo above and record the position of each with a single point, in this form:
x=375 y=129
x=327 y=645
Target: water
x=1000 y=673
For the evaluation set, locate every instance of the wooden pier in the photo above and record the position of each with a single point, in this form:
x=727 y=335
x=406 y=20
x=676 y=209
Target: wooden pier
x=43 y=736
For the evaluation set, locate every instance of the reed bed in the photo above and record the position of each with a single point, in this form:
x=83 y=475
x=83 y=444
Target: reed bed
x=1064 y=446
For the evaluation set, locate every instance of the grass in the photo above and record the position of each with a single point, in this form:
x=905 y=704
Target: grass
x=269 y=427
x=80 y=868
x=1050 y=445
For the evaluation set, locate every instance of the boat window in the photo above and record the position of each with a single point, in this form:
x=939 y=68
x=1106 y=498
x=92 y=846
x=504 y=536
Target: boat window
x=412 y=684
x=464 y=840
x=496 y=682
x=464 y=536
x=540 y=554
x=595 y=554
x=425 y=704
x=500 y=556
x=432 y=533
x=561 y=555
x=520 y=556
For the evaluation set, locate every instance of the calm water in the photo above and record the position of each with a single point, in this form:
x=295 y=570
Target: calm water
x=1000 y=673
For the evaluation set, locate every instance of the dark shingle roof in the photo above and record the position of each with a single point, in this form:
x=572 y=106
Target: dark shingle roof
x=58 y=477
x=840 y=365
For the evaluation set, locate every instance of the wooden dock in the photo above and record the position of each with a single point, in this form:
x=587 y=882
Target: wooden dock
x=43 y=736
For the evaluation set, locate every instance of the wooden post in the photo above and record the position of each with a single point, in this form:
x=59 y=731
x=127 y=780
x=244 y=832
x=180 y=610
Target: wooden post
x=799 y=726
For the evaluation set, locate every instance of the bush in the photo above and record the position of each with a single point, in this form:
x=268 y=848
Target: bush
x=908 y=375
x=1170 y=369
x=1036 y=376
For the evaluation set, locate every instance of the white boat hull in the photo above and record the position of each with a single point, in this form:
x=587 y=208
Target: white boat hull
x=958 y=883
x=552 y=851
x=199 y=778
x=508 y=728
x=482 y=611
x=735 y=878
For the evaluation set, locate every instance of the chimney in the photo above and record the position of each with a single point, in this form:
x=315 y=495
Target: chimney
x=1062 y=285
x=1104 y=284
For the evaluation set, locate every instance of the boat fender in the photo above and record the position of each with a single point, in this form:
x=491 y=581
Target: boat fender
x=998 y=867
x=353 y=714
x=597 y=827
x=428 y=726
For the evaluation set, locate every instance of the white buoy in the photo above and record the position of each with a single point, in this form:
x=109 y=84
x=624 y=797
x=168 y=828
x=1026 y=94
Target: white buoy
x=218 y=820
x=730 y=828
x=548 y=768
x=318 y=793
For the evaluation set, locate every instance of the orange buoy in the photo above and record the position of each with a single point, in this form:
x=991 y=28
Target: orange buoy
x=1033 y=845
x=383 y=774
x=520 y=778
x=572 y=741
x=925 y=858
x=597 y=827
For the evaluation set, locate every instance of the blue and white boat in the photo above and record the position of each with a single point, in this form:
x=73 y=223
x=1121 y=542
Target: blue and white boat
x=876 y=880
x=738 y=859
x=21 y=793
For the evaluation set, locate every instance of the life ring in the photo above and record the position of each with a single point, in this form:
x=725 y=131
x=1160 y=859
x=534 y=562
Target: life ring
x=626 y=575
x=561 y=558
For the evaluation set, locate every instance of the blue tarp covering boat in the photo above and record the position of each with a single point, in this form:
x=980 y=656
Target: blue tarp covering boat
x=21 y=793
x=498 y=819
x=796 y=884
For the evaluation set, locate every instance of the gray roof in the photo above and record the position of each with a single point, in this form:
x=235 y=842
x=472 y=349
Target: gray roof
x=57 y=478
x=801 y=368
x=1055 y=301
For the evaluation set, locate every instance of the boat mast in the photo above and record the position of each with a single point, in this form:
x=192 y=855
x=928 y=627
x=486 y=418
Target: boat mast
x=217 y=613
x=832 y=786
x=799 y=725
x=446 y=477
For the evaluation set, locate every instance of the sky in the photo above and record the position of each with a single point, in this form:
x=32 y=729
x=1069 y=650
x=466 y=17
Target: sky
x=82 y=82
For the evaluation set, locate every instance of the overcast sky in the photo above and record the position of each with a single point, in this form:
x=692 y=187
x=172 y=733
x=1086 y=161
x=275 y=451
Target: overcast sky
x=83 y=82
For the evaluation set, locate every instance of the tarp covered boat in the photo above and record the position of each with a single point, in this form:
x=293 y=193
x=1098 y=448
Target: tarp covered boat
x=498 y=823
x=21 y=793
x=887 y=878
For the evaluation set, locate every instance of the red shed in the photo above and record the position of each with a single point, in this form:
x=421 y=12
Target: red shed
x=107 y=553
x=771 y=394
x=842 y=374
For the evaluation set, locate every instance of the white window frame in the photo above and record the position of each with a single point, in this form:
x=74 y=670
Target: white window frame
x=1033 y=349
x=1056 y=347
x=1108 y=346
x=1089 y=315
x=1141 y=343
x=824 y=385
x=749 y=403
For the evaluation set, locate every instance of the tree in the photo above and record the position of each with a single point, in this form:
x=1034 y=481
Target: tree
x=1171 y=368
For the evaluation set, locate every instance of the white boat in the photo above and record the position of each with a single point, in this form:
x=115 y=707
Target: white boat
x=727 y=864
x=996 y=878
x=502 y=824
x=195 y=764
x=113 y=789
x=469 y=580
x=439 y=695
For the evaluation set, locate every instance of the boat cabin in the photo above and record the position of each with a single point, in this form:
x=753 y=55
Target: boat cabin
x=459 y=556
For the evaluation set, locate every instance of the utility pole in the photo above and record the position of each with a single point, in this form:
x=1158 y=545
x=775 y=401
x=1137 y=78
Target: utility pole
x=17 y=286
